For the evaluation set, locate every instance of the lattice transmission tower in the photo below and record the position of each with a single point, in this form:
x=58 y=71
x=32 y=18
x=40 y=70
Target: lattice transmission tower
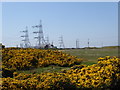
x=47 y=40
x=88 y=42
x=77 y=43
x=61 y=42
x=40 y=37
x=26 y=43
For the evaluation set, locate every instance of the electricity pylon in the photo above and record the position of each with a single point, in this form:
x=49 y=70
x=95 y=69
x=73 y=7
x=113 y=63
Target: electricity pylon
x=26 y=38
x=61 y=42
x=40 y=36
x=77 y=43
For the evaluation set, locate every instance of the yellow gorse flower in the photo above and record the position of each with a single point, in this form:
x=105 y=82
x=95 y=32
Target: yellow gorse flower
x=104 y=74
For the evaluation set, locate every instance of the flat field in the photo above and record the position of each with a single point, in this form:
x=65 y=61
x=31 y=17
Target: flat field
x=90 y=56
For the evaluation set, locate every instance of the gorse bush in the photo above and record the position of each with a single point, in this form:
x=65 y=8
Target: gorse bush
x=105 y=74
x=37 y=82
x=24 y=59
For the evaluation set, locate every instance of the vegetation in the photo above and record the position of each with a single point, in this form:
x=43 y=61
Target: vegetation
x=90 y=56
x=37 y=69
x=26 y=59
x=105 y=74
x=2 y=46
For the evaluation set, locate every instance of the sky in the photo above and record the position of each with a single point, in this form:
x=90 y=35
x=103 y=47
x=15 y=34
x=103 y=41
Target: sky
x=97 y=21
x=0 y=22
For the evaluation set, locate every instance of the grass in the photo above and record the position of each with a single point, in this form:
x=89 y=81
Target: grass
x=89 y=57
x=51 y=68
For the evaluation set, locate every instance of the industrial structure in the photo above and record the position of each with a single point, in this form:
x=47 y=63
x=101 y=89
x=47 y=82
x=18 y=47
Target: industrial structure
x=61 y=42
x=26 y=43
x=40 y=37
x=77 y=43
x=41 y=42
x=88 y=42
